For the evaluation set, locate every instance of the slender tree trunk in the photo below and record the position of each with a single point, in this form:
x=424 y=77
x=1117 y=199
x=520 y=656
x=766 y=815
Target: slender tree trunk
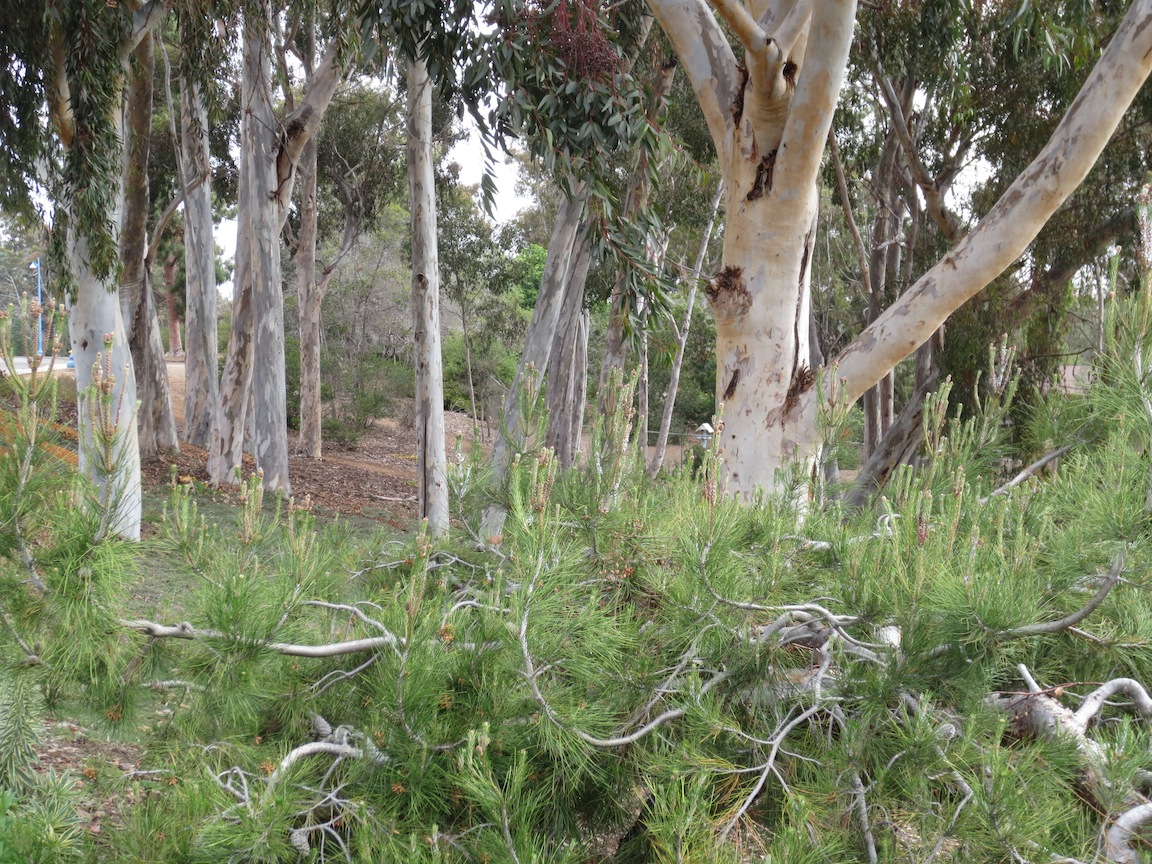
x=93 y=316
x=682 y=341
x=533 y=363
x=175 y=342
x=201 y=362
x=468 y=363
x=308 y=297
x=431 y=461
x=254 y=251
x=568 y=363
x=157 y=425
x=883 y=237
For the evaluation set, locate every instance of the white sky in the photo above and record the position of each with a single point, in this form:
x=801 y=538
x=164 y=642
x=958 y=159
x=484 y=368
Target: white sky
x=468 y=154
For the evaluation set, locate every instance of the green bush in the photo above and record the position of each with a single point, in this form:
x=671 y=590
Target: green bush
x=632 y=670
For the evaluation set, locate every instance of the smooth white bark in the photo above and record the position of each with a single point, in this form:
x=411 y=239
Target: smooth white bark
x=770 y=138
x=115 y=467
x=431 y=461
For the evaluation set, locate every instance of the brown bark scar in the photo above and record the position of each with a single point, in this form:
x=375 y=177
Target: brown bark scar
x=738 y=100
x=802 y=380
x=730 y=390
x=728 y=294
x=763 y=181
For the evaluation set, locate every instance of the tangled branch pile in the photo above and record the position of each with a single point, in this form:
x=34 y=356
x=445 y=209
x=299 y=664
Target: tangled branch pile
x=636 y=671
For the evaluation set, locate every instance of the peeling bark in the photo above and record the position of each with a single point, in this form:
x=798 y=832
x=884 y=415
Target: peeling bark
x=155 y=420
x=201 y=363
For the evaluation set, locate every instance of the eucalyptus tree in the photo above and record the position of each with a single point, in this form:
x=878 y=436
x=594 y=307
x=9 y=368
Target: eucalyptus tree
x=155 y=420
x=63 y=81
x=198 y=54
x=987 y=85
x=271 y=146
x=769 y=118
x=347 y=172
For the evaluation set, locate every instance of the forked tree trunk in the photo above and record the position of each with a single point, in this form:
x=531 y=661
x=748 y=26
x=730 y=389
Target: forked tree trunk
x=533 y=365
x=567 y=390
x=201 y=362
x=271 y=148
x=155 y=421
x=770 y=126
x=431 y=461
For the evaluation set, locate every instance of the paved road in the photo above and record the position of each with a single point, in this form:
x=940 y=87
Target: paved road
x=20 y=364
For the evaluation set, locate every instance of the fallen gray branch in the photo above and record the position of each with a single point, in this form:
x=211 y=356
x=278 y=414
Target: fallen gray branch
x=1029 y=471
x=1047 y=627
x=1120 y=839
x=185 y=630
x=861 y=808
x=1095 y=700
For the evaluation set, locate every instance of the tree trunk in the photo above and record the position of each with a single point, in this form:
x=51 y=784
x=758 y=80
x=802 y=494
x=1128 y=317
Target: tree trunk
x=769 y=119
x=568 y=363
x=877 y=411
x=269 y=405
x=533 y=363
x=682 y=342
x=308 y=297
x=175 y=343
x=896 y=448
x=115 y=467
x=201 y=362
x=270 y=150
x=431 y=461
x=255 y=250
x=156 y=423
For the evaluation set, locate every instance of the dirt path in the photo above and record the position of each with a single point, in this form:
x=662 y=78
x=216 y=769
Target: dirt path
x=375 y=478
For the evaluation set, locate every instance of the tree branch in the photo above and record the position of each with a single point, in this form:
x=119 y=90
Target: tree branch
x=1119 y=839
x=750 y=34
x=707 y=60
x=1004 y=234
x=145 y=18
x=933 y=194
x=853 y=228
x=1076 y=617
x=817 y=90
x=333 y=649
x=1030 y=471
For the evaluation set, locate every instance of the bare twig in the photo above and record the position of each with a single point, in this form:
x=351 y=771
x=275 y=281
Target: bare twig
x=1030 y=471
x=1068 y=621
